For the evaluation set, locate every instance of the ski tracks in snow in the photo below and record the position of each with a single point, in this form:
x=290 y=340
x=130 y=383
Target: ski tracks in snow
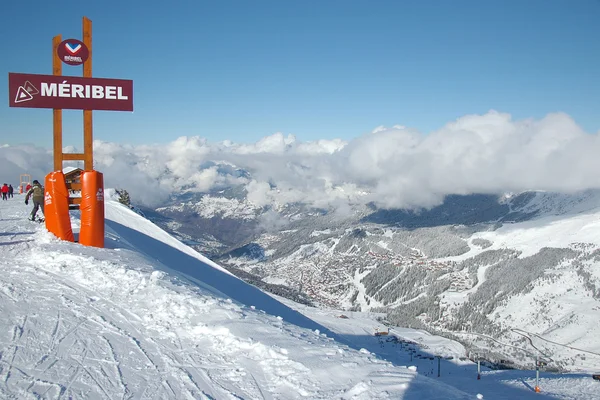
x=101 y=347
x=83 y=322
x=175 y=346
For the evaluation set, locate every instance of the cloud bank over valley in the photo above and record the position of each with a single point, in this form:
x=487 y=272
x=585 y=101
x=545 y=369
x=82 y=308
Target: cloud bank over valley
x=394 y=167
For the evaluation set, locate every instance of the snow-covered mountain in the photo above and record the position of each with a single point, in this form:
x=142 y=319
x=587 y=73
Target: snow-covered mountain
x=476 y=265
x=148 y=317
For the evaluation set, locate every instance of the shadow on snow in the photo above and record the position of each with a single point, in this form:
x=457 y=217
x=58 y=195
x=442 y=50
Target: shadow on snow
x=453 y=377
x=219 y=282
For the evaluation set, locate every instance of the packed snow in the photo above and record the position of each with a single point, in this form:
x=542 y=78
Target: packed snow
x=147 y=317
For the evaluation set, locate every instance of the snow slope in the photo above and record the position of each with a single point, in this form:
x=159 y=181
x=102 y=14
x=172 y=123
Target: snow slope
x=562 y=219
x=147 y=317
x=562 y=309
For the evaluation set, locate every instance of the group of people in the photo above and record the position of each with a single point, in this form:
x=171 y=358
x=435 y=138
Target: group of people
x=35 y=192
x=7 y=191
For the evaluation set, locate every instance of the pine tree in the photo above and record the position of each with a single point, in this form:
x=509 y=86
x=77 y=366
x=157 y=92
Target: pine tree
x=124 y=197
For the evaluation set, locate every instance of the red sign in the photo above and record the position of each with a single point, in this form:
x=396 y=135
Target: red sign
x=69 y=92
x=73 y=52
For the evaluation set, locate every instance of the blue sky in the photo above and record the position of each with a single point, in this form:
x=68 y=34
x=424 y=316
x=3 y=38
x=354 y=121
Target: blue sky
x=242 y=70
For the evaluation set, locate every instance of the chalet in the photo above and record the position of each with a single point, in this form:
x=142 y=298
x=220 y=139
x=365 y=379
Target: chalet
x=72 y=175
x=73 y=180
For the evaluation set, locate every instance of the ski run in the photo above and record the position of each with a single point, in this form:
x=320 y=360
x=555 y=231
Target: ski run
x=148 y=317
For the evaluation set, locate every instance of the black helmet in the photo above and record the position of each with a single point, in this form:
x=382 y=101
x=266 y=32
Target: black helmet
x=35 y=182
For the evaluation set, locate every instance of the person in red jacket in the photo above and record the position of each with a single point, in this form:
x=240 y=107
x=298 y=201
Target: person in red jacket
x=5 y=192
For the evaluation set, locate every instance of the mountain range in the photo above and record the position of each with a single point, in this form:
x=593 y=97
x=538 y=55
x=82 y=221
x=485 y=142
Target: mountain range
x=148 y=317
x=514 y=276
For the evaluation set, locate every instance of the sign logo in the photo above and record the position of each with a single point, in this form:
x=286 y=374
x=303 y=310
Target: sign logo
x=48 y=198
x=69 y=92
x=73 y=48
x=73 y=52
x=26 y=92
x=28 y=86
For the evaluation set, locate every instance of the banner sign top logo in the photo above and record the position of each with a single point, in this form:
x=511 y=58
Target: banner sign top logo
x=73 y=52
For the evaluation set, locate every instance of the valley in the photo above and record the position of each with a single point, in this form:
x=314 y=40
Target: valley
x=473 y=269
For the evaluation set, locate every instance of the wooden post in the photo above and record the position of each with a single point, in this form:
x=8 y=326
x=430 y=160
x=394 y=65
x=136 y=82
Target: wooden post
x=57 y=114
x=88 y=143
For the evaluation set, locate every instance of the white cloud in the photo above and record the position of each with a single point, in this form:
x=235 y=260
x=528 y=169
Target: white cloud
x=259 y=193
x=26 y=159
x=185 y=154
x=394 y=167
x=206 y=179
x=276 y=144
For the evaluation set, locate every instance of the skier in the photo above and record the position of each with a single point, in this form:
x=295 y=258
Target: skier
x=37 y=194
x=5 y=192
x=10 y=191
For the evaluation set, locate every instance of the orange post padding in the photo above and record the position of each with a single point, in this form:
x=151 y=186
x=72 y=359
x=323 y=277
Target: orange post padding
x=92 y=209
x=56 y=206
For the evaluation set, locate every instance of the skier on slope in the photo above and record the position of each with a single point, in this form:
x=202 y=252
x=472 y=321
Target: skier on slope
x=37 y=194
x=5 y=192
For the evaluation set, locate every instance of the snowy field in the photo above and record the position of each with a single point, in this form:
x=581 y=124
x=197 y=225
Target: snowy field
x=147 y=317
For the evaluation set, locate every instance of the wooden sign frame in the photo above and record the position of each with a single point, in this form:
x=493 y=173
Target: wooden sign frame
x=88 y=141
